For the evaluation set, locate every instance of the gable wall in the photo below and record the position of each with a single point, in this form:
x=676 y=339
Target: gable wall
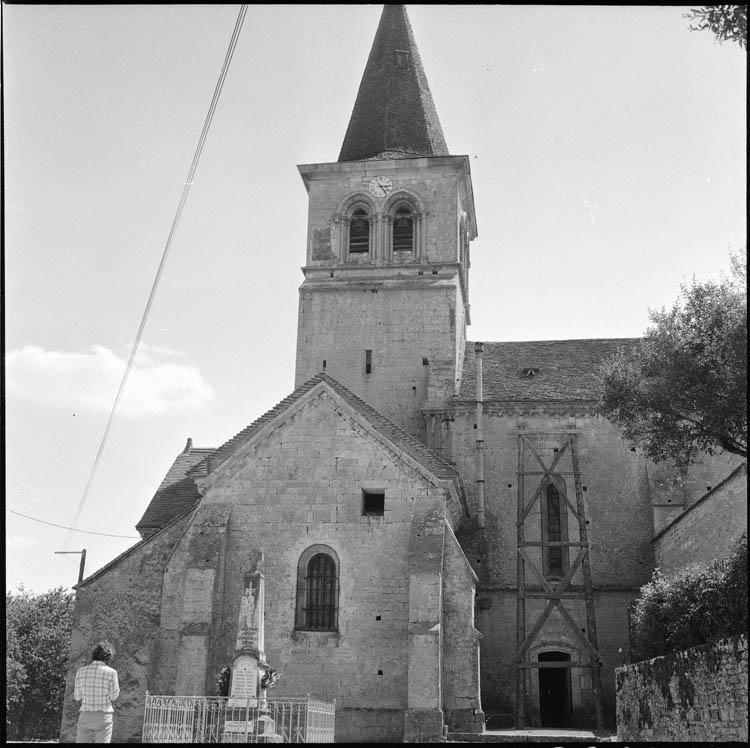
x=300 y=486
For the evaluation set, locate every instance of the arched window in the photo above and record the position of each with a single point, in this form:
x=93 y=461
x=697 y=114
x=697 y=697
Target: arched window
x=359 y=232
x=317 y=590
x=554 y=530
x=403 y=229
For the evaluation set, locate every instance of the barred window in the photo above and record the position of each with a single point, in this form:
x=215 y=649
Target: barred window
x=320 y=597
x=317 y=590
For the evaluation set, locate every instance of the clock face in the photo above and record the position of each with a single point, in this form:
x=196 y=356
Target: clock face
x=380 y=186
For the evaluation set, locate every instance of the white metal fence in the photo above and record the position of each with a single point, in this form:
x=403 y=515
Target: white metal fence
x=217 y=719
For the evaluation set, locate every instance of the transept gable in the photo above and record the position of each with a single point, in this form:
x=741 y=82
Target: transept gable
x=318 y=399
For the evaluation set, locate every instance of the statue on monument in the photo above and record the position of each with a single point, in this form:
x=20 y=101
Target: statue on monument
x=250 y=623
x=247 y=606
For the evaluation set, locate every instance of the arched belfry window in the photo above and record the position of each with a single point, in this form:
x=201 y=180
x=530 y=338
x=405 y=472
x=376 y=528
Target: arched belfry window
x=317 y=590
x=403 y=229
x=554 y=528
x=359 y=232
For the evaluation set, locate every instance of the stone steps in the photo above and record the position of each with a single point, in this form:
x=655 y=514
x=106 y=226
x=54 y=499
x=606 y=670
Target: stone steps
x=537 y=735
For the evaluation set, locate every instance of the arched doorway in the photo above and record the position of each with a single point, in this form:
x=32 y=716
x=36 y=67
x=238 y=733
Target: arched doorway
x=554 y=691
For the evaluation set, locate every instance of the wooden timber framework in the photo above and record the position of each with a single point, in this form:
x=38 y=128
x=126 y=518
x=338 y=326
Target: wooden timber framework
x=532 y=469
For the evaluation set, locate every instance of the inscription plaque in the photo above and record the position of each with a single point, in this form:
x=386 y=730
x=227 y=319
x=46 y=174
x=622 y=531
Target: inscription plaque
x=244 y=684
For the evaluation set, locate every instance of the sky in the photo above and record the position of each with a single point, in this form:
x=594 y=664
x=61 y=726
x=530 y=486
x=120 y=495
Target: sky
x=607 y=147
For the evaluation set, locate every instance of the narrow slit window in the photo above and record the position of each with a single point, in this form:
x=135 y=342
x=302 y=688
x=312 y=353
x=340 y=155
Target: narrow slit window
x=554 y=531
x=368 y=362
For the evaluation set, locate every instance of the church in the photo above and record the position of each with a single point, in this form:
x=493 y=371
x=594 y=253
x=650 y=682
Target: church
x=448 y=533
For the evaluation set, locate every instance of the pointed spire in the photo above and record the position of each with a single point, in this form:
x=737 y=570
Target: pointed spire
x=394 y=115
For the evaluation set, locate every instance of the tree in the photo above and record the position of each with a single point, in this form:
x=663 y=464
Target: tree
x=725 y=21
x=38 y=629
x=15 y=672
x=683 y=390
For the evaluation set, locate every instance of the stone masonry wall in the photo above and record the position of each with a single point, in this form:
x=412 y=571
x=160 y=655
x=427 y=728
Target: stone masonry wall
x=619 y=525
x=615 y=493
x=298 y=486
x=407 y=324
x=699 y=695
x=410 y=312
x=122 y=604
x=708 y=529
x=434 y=182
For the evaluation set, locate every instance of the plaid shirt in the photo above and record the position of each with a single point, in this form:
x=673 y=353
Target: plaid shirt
x=96 y=687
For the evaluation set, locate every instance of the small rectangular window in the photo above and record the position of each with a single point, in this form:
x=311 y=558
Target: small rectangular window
x=373 y=503
x=402 y=58
x=368 y=362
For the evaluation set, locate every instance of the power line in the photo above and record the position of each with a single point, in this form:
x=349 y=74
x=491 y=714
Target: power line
x=167 y=247
x=72 y=529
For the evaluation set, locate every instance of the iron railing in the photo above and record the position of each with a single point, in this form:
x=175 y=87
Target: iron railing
x=218 y=719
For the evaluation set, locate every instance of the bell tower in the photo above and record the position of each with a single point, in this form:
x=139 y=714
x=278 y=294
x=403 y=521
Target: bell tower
x=384 y=304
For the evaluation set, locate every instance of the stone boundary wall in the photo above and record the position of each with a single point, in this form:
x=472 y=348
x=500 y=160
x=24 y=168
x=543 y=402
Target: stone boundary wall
x=697 y=695
x=709 y=529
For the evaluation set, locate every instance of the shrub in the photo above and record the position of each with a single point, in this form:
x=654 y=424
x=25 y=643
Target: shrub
x=691 y=607
x=38 y=630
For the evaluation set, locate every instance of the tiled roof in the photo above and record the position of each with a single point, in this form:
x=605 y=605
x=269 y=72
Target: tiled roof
x=540 y=370
x=394 y=115
x=394 y=433
x=177 y=492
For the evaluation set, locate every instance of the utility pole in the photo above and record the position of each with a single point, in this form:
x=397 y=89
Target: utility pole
x=83 y=560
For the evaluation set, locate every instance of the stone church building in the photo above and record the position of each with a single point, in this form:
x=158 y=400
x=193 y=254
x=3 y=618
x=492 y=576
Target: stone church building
x=448 y=532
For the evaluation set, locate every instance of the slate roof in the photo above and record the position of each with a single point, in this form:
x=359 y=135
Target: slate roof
x=394 y=115
x=177 y=492
x=563 y=369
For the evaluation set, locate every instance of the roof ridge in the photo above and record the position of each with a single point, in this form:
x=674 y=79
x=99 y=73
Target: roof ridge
x=552 y=340
x=402 y=433
x=378 y=420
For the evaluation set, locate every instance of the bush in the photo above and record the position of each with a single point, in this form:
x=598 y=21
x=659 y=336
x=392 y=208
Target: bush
x=38 y=628
x=691 y=607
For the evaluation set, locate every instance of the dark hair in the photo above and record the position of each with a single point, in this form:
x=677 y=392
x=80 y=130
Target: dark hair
x=103 y=651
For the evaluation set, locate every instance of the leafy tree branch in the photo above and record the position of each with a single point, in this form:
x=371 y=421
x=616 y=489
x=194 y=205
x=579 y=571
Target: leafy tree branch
x=684 y=390
x=726 y=22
